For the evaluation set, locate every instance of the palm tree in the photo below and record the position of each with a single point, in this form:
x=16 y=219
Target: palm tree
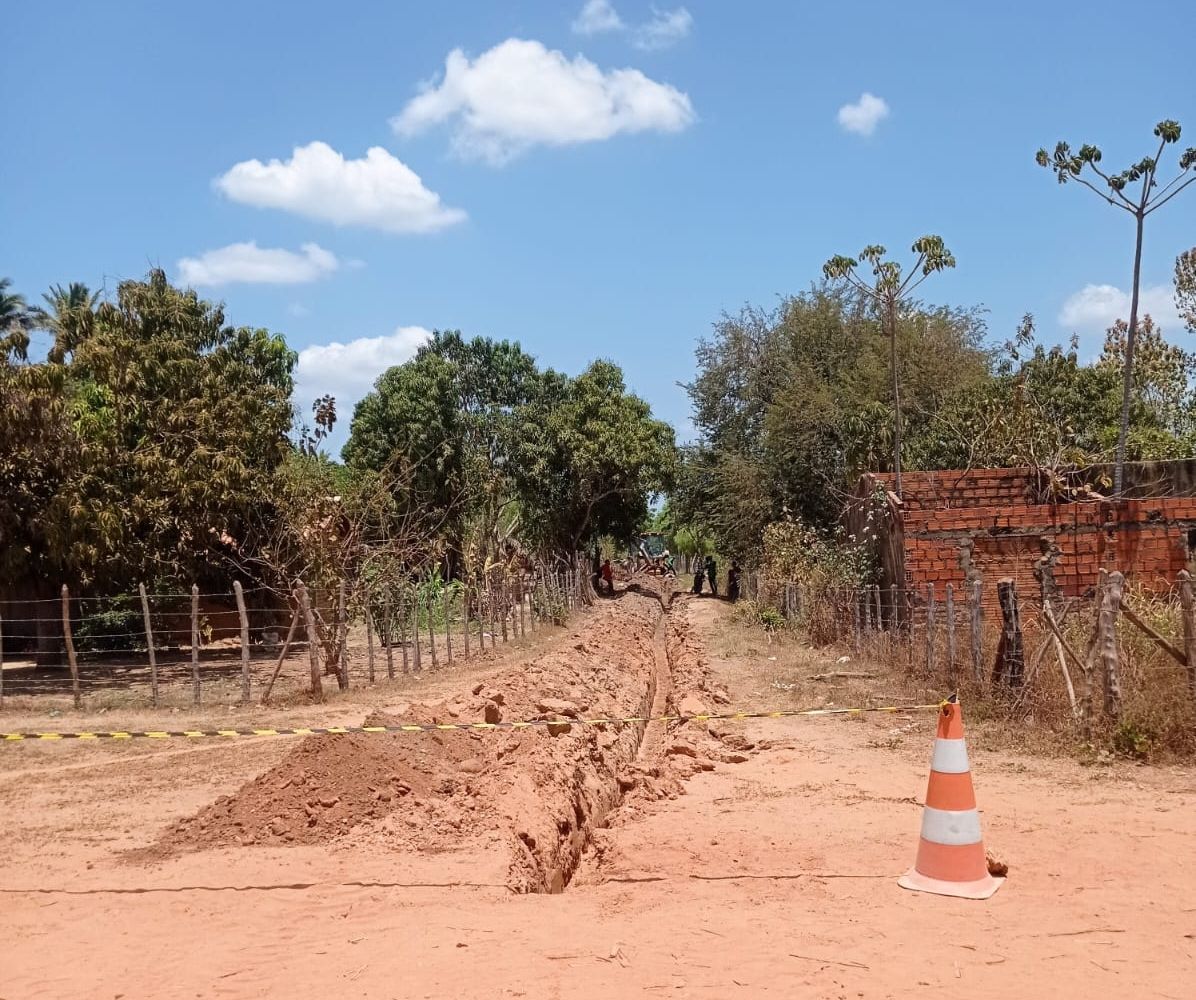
x=65 y=316
x=14 y=321
x=13 y=311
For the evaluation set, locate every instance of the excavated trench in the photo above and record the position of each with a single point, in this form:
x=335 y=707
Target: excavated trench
x=534 y=796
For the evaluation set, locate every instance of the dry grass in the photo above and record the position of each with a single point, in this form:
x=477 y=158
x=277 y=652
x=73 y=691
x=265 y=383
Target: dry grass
x=1158 y=718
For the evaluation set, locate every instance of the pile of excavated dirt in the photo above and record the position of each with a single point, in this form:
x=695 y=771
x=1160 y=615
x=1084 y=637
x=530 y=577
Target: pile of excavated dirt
x=539 y=791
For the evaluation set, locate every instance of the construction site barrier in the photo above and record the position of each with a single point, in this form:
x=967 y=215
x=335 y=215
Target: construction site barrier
x=417 y=727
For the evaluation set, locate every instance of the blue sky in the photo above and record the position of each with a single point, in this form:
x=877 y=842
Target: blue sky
x=559 y=201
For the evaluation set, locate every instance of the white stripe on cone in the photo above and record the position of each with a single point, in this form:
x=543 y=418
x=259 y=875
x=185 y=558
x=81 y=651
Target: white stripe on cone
x=953 y=829
x=950 y=757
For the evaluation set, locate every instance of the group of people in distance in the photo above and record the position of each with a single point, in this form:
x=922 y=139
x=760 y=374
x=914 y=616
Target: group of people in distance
x=703 y=571
x=708 y=570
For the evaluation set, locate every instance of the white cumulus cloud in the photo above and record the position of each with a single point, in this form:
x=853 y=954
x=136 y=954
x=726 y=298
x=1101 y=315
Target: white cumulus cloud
x=520 y=94
x=379 y=190
x=248 y=263
x=666 y=28
x=348 y=370
x=863 y=116
x=596 y=18
x=1098 y=307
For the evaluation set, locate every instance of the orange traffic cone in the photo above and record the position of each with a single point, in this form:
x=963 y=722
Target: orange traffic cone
x=951 y=860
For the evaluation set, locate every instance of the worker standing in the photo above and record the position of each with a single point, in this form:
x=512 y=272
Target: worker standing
x=699 y=576
x=608 y=577
x=733 y=581
x=712 y=574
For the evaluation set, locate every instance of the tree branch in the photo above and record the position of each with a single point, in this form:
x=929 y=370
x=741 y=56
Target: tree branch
x=1128 y=206
x=1160 y=204
x=1105 y=177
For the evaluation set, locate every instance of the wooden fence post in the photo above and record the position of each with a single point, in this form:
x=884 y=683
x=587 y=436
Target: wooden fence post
x=448 y=631
x=977 y=631
x=369 y=641
x=342 y=631
x=244 y=616
x=286 y=648
x=522 y=619
x=1110 y=606
x=195 y=696
x=416 y=639
x=390 y=636
x=1010 y=663
x=149 y=644
x=502 y=601
x=880 y=621
x=70 y=645
x=855 y=623
x=465 y=614
x=1 y=661
x=492 y=596
x=313 y=641
x=930 y=623
x=1189 y=615
x=431 y=605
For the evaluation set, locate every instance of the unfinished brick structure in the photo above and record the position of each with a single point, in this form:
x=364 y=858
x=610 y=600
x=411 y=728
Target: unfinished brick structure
x=953 y=524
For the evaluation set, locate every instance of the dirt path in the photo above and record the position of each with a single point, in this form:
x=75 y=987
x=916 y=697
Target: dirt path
x=771 y=877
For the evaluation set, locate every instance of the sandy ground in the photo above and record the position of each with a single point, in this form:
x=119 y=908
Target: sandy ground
x=775 y=876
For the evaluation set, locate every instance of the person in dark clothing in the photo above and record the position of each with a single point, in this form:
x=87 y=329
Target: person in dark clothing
x=699 y=576
x=733 y=581
x=712 y=574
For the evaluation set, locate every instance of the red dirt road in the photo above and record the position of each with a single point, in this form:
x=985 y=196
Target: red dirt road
x=771 y=877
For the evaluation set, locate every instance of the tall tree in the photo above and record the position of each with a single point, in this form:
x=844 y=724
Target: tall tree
x=172 y=423
x=1139 y=203
x=447 y=418
x=66 y=315
x=890 y=291
x=791 y=405
x=589 y=459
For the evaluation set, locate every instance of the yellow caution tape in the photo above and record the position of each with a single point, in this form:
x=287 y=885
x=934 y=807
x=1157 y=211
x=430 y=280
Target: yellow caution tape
x=415 y=727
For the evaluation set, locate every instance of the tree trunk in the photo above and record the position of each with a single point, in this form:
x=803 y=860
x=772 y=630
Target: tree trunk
x=1127 y=383
x=891 y=322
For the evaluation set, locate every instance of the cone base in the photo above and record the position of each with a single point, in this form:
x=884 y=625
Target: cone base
x=980 y=888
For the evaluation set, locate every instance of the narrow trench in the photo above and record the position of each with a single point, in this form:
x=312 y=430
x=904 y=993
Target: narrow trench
x=592 y=815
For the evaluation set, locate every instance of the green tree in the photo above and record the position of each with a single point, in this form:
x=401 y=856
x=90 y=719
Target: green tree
x=14 y=312
x=448 y=419
x=172 y=424
x=889 y=292
x=67 y=315
x=1045 y=409
x=591 y=457
x=791 y=406
x=1185 y=287
x=1145 y=197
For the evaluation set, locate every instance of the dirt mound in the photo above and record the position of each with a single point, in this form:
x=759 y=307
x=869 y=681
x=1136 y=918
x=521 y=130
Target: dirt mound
x=540 y=791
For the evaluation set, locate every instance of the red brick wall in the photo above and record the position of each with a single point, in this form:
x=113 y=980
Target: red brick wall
x=1146 y=539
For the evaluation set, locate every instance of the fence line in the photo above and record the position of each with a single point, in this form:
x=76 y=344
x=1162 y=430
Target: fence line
x=1035 y=635
x=420 y=616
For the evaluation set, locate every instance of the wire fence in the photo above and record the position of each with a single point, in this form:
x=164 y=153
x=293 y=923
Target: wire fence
x=1114 y=657
x=146 y=641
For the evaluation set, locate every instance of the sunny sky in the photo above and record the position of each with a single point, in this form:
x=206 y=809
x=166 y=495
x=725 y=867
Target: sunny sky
x=590 y=179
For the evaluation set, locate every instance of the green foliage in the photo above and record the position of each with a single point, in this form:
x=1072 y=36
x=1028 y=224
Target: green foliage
x=485 y=433
x=793 y=551
x=1045 y=409
x=149 y=432
x=1133 y=740
x=791 y=406
x=1185 y=287
x=592 y=456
